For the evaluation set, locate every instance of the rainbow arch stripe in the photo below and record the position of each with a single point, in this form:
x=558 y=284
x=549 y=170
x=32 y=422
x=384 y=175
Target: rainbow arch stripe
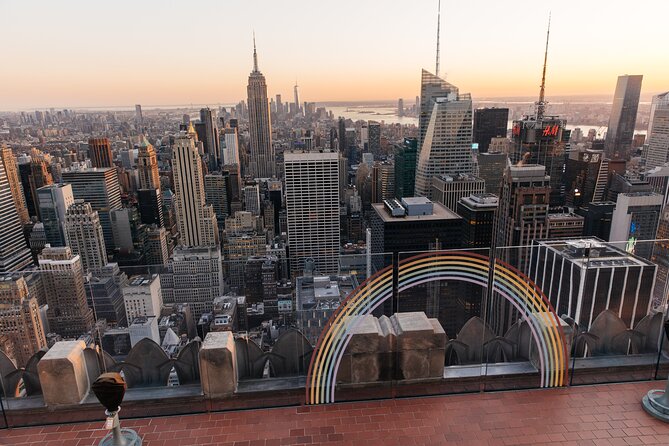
x=514 y=286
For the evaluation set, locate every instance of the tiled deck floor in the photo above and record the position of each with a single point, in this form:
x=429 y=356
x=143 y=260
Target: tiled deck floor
x=598 y=415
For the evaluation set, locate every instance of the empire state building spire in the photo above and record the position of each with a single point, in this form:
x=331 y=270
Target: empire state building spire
x=255 y=55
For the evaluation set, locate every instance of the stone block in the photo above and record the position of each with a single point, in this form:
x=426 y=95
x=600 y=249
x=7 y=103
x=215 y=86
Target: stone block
x=361 y=361
x=420 y=345
x=218 y=364
x=63 y=374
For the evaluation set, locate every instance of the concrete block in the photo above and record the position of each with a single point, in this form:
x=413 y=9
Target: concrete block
x=218 y=364
x=421 y=345
x=63 y=374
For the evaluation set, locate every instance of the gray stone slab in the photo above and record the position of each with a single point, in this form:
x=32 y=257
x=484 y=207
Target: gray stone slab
x=63 y=374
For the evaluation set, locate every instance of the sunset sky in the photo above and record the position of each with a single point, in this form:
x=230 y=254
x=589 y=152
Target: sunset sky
x=158 y=52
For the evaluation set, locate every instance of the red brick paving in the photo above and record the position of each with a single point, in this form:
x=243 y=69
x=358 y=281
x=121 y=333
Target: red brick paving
x=599 y=415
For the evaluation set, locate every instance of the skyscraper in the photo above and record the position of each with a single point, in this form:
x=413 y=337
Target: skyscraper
x=209 y=137
x=262 y=163
x=100 y=188
x=231 y=148
x=217 y=194
x=405 y=167
x=11 y=170
x=636 y=218
x=297 y=99
x=193 y=276
x=341 y=135
x=658 y=132
x=20 y=318
x=541 y=139
x=489 y=123
x=623 y=116
x=84 y=236
x=147 y=166
x=139 y=119
x=400 y=107
x=156 y=251
x=63 y=280
x=14 y=253
x=445 y=132
x=582 y=277
x=99 y=150
x=40 y=175
x=53 y=202
x=374 y=137
x=523 y=212
x=478 y=219
x=312 y=202
x=196 y=220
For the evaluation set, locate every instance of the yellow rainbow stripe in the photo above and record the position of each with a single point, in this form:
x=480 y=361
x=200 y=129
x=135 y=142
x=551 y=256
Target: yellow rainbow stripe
x=514 y=286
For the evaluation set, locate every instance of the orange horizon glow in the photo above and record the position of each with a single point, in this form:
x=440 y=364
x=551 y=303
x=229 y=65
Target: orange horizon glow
x=77 y=54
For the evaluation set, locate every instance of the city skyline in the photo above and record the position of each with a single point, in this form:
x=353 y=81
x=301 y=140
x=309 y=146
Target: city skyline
x=133 y=62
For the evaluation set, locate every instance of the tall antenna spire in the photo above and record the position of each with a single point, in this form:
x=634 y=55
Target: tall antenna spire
x=255 y=55
x=436 y=71
x=541 y=104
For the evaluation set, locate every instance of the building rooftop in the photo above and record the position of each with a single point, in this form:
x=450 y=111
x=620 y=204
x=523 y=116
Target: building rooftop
x=439 y=212
x=593 y=252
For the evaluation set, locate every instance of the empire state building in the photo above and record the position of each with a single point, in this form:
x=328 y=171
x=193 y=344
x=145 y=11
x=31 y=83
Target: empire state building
x=262 y=161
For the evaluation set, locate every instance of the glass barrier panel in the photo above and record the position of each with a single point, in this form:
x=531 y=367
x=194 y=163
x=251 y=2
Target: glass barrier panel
x=438 y=317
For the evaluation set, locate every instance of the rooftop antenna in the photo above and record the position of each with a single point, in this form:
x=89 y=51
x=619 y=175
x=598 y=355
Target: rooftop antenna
x=436 y=71
x=541 y=104
x=255 y=55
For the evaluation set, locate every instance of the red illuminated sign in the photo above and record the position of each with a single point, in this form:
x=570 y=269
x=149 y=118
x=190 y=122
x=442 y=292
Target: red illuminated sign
x=551 y=130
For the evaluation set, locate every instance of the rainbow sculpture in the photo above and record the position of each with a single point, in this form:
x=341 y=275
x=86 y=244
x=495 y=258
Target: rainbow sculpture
x=514 y=286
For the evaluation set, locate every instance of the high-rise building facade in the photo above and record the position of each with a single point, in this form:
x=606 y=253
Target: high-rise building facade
x=100 y=188
x=20 y=318
x=491 y=169
x=142 y=296
x=8 y=159
x=83 y=234
x=208 y=134
x=262 y=162
x=405 y=167
x=63 y=280
x=489 y=123
x=478 y=219
x=53 y=202
x=196 y=220
x=374 y=137
x=445 y=130
x=251 y=194
x=147 y=166
x=523 y=212
x=156 y=249
x=218 y=194
x=312 y=203
x=14 y=252
x=581 y=175
x=39 y=175
x=582 y=277
x=449 y=189
x=100 y=153
x=657 y=153
x=542 y=140
x=230 y=150
x=635 y=219
x=194 y=275
x=623 y=116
